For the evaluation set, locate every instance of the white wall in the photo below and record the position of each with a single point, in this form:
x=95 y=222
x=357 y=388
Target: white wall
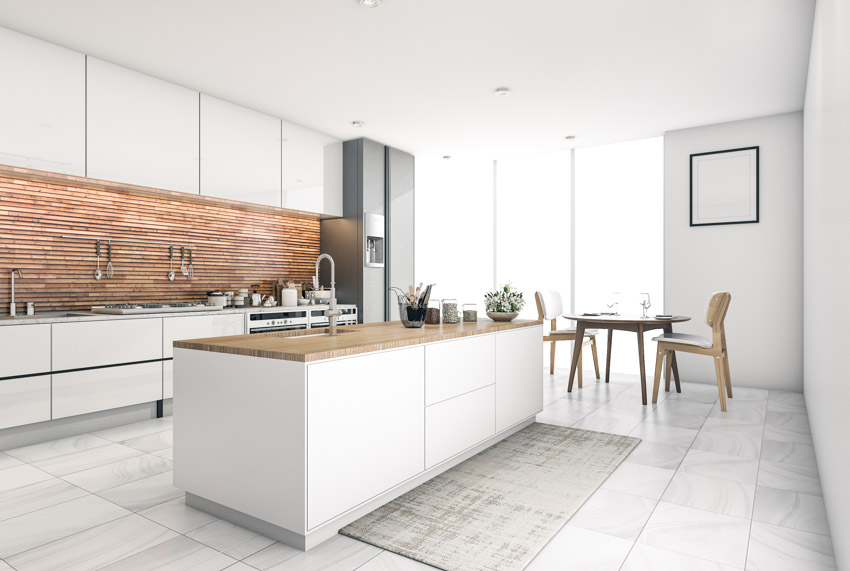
x=827 y=261
x=761 y=264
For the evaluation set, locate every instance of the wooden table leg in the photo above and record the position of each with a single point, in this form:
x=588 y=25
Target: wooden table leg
x=668 y=328
x=576 y=353
x=608 y=358
x=642 y=366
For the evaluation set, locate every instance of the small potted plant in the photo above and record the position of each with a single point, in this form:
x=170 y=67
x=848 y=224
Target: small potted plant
x=504 y=304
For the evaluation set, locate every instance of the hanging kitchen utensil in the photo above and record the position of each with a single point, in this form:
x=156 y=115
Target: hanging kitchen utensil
x=183 y=269
x=109 y=270
x=97 y=273
x=191 y=269
x=171 y=264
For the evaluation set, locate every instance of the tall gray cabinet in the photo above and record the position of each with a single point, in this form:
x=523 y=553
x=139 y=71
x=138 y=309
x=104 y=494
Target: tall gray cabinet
x=373 y=243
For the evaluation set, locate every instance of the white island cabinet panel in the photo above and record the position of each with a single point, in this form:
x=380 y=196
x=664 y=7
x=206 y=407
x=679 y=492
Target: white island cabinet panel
x=519 y=390
x=240 y=153
x=312 y=170
x=459 y=366
x=101 y=389
x=93 y=343
x=141 y=130
x=365 y=428
x=42 y=105
x=24 y=401
x=454 y=425
x=25 y=349
x=193 y=327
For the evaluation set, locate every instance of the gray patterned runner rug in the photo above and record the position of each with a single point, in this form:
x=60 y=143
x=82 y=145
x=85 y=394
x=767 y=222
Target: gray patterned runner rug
x=498 y=509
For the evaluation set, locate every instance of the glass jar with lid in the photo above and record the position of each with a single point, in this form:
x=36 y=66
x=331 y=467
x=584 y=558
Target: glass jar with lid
x=432 y=316
x=470 y=312
x=450 y=313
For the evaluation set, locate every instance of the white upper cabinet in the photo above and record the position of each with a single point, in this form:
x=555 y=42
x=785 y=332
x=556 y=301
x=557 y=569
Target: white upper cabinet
x=141 y=130
x=240 y=153
x=42 y=105
x=312 y=170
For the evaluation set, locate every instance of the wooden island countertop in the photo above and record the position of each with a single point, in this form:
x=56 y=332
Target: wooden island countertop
x=309 y=345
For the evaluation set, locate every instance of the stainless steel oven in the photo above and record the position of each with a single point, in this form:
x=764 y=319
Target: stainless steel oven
x=283 y=320
x=319 y=319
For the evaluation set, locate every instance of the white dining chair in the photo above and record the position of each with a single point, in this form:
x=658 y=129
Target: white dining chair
x=550 y=307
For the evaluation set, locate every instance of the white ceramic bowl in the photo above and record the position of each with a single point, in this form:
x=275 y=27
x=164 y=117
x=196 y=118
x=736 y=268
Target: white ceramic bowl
x=501 y=316
x=323 y=295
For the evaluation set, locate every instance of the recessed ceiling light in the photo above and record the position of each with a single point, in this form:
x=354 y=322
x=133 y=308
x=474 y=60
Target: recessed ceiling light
x=503 y=91
x=570 y=137
x=370 y=3
x=447 y=157
x=357 y=123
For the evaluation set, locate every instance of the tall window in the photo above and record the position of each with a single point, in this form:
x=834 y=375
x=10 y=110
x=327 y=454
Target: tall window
x=619 y=234
x=533 y=226
x=454 y=227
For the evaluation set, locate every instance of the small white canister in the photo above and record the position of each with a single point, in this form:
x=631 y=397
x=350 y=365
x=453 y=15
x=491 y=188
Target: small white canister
x=289 y=297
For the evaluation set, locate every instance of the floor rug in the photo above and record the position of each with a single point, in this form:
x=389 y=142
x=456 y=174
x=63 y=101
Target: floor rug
x=498 y=509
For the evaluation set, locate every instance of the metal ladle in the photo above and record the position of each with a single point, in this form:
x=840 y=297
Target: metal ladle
x=109 y=270
x=97 y=273
x=171 y=264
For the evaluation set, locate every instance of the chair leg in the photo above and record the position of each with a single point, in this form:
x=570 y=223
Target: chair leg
x=595 y=357
x=658 y=361
x=580 y=366
x=668 y=361
x=728 y=377
x=675 y=371
x=721 y=389
x=552 y=358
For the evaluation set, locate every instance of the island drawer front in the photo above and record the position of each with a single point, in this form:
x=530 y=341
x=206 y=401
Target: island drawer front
x=454 y=425
x=90 y=344
x=519 y=390
x=26 y=350
x=199 y=326
x=365 y=429
x=24 y=401
x=101 y=389
x=457 y=367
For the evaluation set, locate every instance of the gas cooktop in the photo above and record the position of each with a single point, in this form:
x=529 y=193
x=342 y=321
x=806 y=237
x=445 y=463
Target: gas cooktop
x=177 y=306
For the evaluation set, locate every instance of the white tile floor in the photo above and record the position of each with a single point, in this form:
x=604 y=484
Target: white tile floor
x=704 y=490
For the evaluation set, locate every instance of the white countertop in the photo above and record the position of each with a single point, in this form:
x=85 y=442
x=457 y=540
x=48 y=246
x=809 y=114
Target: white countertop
x=70 y=316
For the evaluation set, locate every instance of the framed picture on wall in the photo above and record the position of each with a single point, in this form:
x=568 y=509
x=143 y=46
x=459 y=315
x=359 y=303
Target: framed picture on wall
x=725 y=187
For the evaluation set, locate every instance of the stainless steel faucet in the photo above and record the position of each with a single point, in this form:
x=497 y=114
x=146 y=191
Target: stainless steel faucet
x=12 y=311
x=332 y=312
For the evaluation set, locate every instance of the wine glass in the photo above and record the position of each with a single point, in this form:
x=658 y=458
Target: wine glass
x=613 y=302
x=645 y=304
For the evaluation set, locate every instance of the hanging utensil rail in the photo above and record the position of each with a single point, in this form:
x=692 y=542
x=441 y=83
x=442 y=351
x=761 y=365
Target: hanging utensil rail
x=190 y=246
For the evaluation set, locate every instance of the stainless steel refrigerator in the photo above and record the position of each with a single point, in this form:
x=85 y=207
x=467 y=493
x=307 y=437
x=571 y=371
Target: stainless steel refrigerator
x=373 y=243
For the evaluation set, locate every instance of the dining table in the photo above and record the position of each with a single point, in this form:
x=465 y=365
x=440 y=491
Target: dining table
x=634 y=323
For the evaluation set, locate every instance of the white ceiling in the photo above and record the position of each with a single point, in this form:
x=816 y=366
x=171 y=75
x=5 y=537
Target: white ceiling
x=421 y=73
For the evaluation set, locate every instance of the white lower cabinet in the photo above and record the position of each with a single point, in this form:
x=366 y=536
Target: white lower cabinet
x=92 y=390
x=167 y=379
x=26 y=350
x=83 y=344
x=454 y=425
x=458 y=366
x=24 y=401
x=197 y=327
x=519 y=392
x=365 y=428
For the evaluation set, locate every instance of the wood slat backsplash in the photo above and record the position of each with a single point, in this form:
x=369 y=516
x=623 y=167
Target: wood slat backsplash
x=234 y=245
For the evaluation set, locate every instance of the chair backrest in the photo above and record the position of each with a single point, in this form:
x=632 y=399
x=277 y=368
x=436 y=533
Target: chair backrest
x=549 y=304
x=715 y=313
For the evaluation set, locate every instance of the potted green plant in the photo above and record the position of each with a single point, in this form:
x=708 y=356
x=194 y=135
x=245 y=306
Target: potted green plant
x=504 y=304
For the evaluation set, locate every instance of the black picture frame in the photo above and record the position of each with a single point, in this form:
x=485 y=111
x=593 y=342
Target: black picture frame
x=753 y=181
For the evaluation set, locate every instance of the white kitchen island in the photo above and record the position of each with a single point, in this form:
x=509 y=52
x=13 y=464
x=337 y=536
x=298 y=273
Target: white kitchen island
x=295 y=436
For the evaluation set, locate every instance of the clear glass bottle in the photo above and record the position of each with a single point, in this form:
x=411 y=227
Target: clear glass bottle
x=432 y=316
x=450 y=313
x=470 y=312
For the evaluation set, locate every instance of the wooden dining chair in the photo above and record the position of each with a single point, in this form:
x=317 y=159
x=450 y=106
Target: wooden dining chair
x=668 y=343
x=550 y=307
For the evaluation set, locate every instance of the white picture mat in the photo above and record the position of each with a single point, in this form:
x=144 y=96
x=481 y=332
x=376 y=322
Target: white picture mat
x=724 y=187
